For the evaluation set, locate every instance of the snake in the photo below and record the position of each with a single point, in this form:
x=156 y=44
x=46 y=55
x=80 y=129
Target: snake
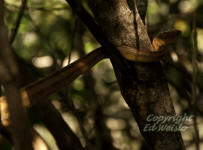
x=36 y=91
x=145 y=56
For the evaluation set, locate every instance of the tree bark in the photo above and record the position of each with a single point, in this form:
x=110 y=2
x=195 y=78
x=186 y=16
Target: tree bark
x=143 y=86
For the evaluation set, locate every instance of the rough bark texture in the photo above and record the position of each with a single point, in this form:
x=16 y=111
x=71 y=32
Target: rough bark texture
x=144 y=86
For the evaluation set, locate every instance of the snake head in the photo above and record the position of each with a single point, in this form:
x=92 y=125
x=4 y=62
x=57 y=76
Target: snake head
x=165 y=38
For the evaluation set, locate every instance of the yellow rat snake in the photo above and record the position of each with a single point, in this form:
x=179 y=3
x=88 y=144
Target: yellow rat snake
x=158 y=43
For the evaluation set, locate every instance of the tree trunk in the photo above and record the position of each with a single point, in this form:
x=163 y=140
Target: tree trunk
x=143 y=86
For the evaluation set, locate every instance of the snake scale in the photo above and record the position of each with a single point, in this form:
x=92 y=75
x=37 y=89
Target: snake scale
x=158 y=43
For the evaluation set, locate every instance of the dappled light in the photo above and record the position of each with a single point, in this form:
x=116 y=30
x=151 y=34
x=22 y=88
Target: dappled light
x=42 y=62
x=77 y=101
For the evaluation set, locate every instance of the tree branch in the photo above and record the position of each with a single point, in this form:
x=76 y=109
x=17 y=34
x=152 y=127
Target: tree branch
x=194 y=80
x=64 y=136
x=109 y=48
x=37 y=91
x=21 y=132
x=143 y=86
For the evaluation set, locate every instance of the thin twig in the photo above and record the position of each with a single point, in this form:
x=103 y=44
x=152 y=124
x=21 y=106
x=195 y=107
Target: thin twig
x=18 y=21
x=194 y=78
x=73 y=38
x=68 y=95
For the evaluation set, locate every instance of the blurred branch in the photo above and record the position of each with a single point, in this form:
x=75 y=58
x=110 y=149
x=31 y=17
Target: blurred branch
x=41 y=8
x=6 y=134
x=37 y=91
x=188 y=77
x=70 y=106
x=183 y=91
x=34 y=93
x=100 y=140
x=62 y=133
x=67 y=96
x=194 y=78
x=75 y=26
x=21 y=132
x=37 y=142
x=18 y=21
x=43 y=37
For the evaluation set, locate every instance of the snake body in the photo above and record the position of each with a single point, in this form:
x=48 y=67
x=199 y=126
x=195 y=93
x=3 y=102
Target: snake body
x=135 y=55
x=158 y=43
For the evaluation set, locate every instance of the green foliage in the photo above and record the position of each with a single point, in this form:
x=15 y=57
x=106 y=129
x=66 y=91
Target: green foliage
x=50 y=28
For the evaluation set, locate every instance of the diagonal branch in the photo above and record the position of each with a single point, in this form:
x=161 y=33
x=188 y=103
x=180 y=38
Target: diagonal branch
x=64 y=136
x=37 y=91
x=34 y=92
